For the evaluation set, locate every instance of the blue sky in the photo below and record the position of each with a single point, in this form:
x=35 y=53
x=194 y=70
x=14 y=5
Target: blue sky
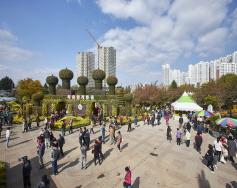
x=40 y=37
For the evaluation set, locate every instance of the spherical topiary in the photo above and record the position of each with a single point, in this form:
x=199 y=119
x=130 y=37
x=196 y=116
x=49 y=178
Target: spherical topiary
x=82 y=80
x=66 y=74
x=112 y=80
x=98 y=74
x=52 y=80
x=128 y=97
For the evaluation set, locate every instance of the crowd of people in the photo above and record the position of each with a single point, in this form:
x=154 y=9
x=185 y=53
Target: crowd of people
x=223 y=149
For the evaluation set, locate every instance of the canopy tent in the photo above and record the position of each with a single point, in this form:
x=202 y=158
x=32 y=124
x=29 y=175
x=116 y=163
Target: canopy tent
x=186 y=103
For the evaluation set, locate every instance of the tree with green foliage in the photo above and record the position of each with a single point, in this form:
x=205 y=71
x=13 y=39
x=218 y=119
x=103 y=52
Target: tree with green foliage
x=6 y=83
x=173 y=85
x=27 y=87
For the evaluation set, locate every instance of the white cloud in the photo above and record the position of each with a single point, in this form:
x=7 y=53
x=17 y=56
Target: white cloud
x=10 y=51
x=166 y=31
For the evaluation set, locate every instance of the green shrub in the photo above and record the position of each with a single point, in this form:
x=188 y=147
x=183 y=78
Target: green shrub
x=77 y=122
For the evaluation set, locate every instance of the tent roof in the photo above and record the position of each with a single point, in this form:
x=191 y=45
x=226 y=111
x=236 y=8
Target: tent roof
x=185 y=98
x=186 y=103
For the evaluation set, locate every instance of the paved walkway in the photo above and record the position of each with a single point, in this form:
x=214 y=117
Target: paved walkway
x=154 y=162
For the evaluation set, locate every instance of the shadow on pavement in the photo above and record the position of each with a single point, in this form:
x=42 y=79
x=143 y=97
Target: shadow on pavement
x=4 y=140
x=124 y=146
x=71 y=164
x=232 y=184
x=69 y=151
x=234 y=165
x=20 y=143
x=107 y=153
x=14 y=175
x=136 y=183
x=202 y=181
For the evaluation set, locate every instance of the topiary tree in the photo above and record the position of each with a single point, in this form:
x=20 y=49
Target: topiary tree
x=66 y=75
x=98 y=75
x=52 y=81
x=37 y=98
x=112 y=81
x=82 y=81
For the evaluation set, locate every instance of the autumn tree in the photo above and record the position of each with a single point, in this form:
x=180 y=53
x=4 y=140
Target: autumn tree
x=27 y=87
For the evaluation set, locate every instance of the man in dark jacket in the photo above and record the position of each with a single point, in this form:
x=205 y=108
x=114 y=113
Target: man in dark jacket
x=198 y=142
x=54 y=159
x=181 y=120
x=26 y=171
x=87 y=138
x=61 y=142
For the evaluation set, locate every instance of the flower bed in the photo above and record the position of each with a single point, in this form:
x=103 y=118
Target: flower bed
x=2 y=174
x=77 y=122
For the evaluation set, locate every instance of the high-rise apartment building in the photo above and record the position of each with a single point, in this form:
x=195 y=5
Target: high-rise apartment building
x=166 y=74
x=86 y=65
x=201 y=72
x=107 y=62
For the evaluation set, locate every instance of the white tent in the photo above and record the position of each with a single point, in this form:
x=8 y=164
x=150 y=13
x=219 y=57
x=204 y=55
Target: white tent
x=186 y=103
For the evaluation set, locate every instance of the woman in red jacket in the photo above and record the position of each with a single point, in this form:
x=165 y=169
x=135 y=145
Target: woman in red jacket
x=128 y=178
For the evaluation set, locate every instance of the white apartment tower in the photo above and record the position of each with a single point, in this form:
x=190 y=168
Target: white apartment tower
x=107 y=62
x=166 y=74
x=86 y=65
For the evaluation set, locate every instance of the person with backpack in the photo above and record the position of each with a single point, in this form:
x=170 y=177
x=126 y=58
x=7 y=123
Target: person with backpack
x=61 y=142
x=54 y=154
x=127 y=183
x=26 y=172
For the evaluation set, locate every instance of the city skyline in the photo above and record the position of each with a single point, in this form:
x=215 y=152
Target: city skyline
x=201 y=72
x=39 y=38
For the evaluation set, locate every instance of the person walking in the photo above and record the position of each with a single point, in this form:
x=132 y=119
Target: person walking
x=127 y=183
x=210 y=157
x=63 y=127
x=178 y=137
x=198 y=142
x=218 y=148
x=119 y=140
x=232 y=148
x=40 y=151
x=87 y=138
x=129 y=125
x=102 y=130
x=61 y=142
x=169 y=133
x=44 y=183
x=95 y=151
x=24 y=125
x=81 y=137
x=70 y=126
x=0 y=129
x=135 y=121
x=46 y=137
x=26 y=171
x=37 y=121
x=187 y=138
x=54 y=159
x=188 y=126
x=181 y=120
x=111 y=134
x=8 y=133
x=83 y=156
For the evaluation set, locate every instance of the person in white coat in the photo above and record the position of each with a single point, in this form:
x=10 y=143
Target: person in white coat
x=7 y=136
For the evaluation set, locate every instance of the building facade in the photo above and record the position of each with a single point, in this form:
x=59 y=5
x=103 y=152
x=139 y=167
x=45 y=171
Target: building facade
x=107 y=62
x=86 y=65
x=201 y=72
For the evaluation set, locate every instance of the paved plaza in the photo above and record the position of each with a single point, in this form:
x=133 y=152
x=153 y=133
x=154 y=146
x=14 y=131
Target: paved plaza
x=154 y=162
